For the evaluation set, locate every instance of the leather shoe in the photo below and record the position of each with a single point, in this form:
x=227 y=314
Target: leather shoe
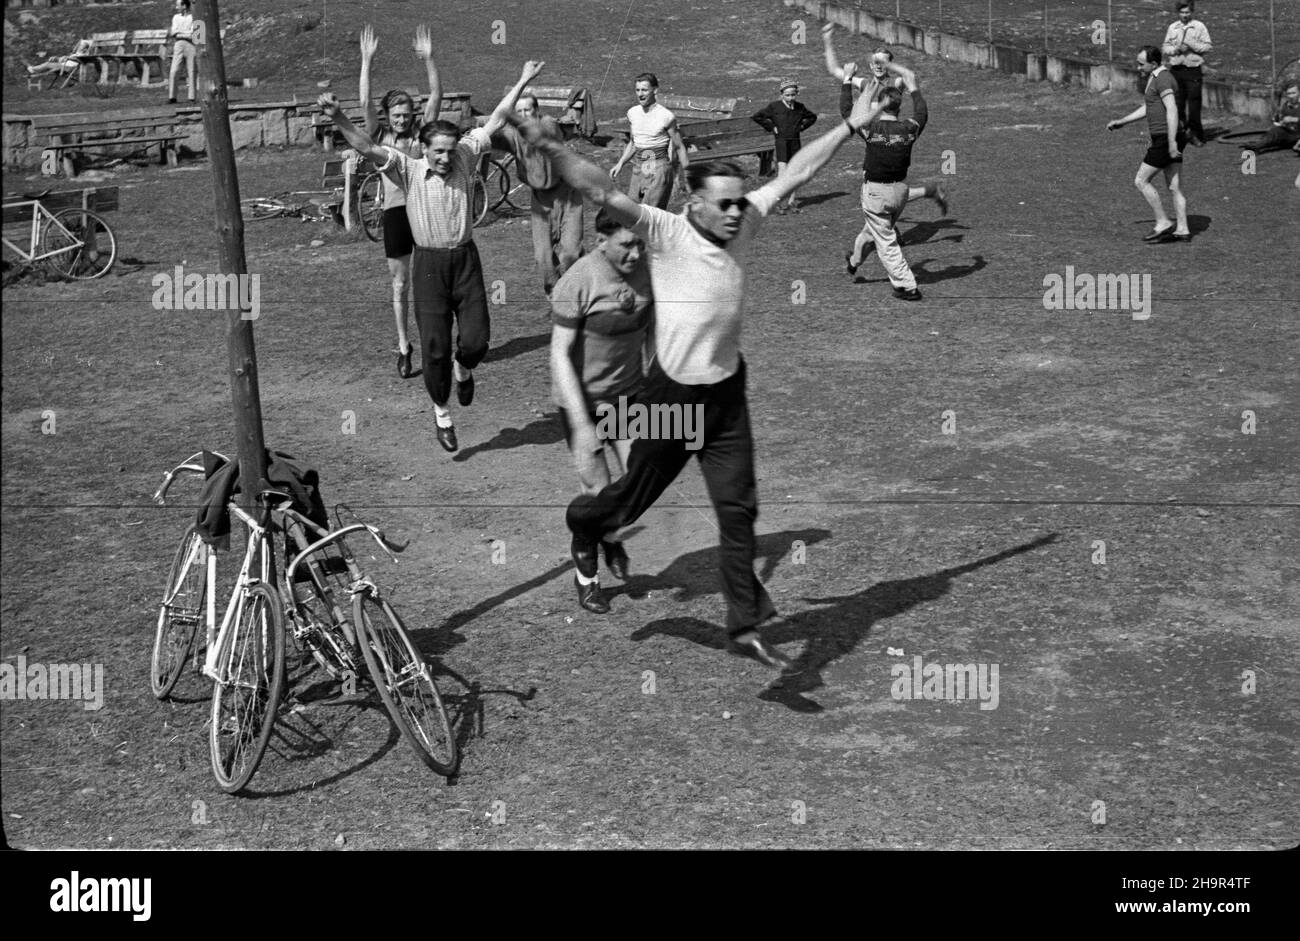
x=754 y=647
x=447 y=437
x=849 y=266
x=591 y=597
x=616 y=559
x=584 y=557
x=465 y=391
x=1159 y=235
x=404 y=363
x=907 y=294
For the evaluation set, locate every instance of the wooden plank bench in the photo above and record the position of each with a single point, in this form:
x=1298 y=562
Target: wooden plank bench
x=99 y=199
x=148 y=49
x=107 y=49
x=689 y=109
x=455 y=108
x=727 y=138
x=66 y=135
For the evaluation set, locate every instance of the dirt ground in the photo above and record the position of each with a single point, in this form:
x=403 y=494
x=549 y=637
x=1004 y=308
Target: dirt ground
x=1162 y=683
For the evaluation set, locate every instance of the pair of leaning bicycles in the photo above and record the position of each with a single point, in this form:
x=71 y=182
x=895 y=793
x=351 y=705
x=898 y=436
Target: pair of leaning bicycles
x=323 y=602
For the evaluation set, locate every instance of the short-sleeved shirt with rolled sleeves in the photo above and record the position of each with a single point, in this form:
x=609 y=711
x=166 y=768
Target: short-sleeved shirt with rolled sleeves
x=611 y=312
x=699 y=289
x=1159 y=82
x=394 y=195
x=438 y=208
x=650 y=127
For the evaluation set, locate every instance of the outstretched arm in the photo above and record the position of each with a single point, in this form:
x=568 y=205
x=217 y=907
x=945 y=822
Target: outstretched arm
x=580 y=173
x=1134 y=115
x=506 y=107
x=804 y=165
x=424 y=49
x=358 y=139
x=368 y=46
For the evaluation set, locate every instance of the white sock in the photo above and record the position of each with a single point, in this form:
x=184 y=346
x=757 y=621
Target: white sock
x=459 y=372
x=442 y=415
x=584 y=580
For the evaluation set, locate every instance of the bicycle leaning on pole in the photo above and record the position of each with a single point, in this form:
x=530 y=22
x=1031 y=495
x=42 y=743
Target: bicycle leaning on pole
x=244 y=655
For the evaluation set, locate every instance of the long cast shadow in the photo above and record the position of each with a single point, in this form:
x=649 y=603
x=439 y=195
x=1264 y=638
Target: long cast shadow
x=835 y=629
x=517 y=347
x=544 y=430
x=946 y=273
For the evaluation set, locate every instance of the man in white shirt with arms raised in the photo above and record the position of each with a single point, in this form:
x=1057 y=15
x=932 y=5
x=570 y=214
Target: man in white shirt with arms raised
x=655 y=139
x=697 y=270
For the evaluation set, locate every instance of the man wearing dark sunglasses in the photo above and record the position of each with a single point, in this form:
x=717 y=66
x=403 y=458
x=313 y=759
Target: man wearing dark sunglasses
x=697 y=271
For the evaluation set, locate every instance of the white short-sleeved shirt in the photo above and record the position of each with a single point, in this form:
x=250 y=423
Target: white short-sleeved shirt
x=650 y=127
x=438 y=208
x=394 y=195
x=699 y=289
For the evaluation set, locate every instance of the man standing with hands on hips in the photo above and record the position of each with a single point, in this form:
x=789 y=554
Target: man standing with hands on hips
x=1186 y=42
x=697 y=272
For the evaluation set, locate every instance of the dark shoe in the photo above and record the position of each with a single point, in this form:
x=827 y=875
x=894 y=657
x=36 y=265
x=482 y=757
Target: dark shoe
x=1160 y=234
x=584 y=557
x=465 y=391
x=404 y=363
x=849 y=266
x=1185 y=237
x=591 y=597
x=616 y=559
x=171 y=101
x=755 y=648
x=906 y=294
x=447 y=437
x=1197 y=142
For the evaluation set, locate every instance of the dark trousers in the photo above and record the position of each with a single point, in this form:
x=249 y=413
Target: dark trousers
x=1188 y=97
x=1277 y=138
x=447 y=283
x=726 y=457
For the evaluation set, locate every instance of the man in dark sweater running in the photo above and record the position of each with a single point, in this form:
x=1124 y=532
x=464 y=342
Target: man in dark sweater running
x=787 y=118
x=884 y=176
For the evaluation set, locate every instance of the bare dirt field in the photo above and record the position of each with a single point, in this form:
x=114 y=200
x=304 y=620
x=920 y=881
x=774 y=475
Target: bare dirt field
x=1148 y=691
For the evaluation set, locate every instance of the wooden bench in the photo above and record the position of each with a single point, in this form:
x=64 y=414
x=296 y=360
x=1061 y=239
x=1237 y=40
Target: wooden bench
x=148 y=48
x=455 y=108
x=689 y=109
x=727 y=138
x=66 y=135
x=96 y=198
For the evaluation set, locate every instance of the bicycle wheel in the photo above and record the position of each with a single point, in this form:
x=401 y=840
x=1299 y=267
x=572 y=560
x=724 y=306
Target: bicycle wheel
x=261 y=207
x=85 y=244
x=250 y=681
x=502 y=188
x=405 y=683
x=478 y=205
x=180 y=613
x=370 y=206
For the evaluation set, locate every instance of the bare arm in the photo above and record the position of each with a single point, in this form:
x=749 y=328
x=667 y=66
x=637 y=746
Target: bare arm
x=424 y=49
x=358 y=139
x=1135 y=115
x=627 y=153
x=832 y=62
x=506 y=107
x=1171 y=120
x=804 y=165
x=580 y=173
x=368 y=46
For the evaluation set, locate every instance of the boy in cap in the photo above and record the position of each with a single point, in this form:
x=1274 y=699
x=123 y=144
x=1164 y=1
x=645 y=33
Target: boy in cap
x=787 y=118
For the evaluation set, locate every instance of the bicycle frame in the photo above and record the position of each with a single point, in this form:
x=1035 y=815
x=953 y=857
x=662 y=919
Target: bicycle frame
x=38 y=210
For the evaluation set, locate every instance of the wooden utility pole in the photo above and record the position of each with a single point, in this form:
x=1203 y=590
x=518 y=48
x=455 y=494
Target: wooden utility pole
x=244 y=392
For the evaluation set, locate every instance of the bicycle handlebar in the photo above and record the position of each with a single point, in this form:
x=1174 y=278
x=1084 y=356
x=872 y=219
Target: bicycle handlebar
x=190 y=465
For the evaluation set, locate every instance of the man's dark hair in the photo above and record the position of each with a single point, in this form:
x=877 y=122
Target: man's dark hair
x=698 y=173
x=1152 y=53
x=185 y=4
x=1186 y=5
x=607 y=224
x=884 y=51
x=436 y=129
x=537 y=105
x=647 y=77
x=891 y=99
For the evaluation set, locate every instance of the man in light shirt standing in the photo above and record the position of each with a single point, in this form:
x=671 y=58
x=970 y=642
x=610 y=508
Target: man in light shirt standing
x=697 y=272
x=183 y=50
x=1186 y=42
x=655 y=141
